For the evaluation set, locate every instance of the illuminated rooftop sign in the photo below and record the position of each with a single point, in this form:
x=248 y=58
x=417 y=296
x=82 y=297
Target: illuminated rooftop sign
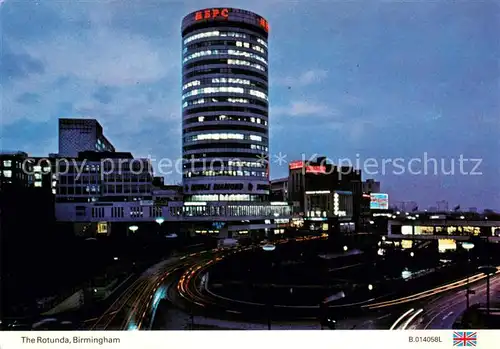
x=211 y=14
x=264 y=24
x=315 y=169
x=294 y=165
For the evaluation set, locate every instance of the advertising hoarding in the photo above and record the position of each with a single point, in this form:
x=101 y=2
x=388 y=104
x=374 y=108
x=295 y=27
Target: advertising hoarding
x=379 y=201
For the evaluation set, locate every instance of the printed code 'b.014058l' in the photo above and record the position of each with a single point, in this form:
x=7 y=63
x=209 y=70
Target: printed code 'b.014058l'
x=430 y=339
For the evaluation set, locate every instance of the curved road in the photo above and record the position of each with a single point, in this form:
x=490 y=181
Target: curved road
x=181 y=280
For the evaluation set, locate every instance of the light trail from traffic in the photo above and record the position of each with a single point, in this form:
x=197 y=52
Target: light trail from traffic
x=428 y=293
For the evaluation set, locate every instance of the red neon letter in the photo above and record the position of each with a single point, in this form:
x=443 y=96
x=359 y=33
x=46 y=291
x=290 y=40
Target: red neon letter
x=224 y=13
x=207 y=14
x=198 y=16
x=215 y=13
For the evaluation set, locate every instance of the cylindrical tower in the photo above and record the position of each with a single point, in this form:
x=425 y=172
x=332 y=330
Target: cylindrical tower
x=225 y=105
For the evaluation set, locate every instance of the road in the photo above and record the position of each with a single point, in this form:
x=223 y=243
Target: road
x=441 y=312
x=181 y=279
x=438 y=307
x=135 y=308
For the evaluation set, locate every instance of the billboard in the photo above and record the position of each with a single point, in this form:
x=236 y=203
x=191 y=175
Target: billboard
x=379 y=201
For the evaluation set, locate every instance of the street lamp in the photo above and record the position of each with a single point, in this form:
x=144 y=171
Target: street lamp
x=488 y=270
x=370 y=287
x=468 y=246
x=412 y=254
x=269 y=248
x=345 y=248
x=133 y=228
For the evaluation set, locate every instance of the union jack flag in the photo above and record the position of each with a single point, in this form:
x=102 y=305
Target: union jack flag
x=464 y=339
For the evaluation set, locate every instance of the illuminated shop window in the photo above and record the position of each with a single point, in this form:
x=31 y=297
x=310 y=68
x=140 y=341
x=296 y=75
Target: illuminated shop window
x=422 y=230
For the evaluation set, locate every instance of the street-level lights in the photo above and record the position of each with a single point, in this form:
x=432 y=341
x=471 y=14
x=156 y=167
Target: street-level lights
x=468 y=246
x=345 y=248
x=269 y=248
x=133 y=228
x=412 y=254
x=159 y=220
x=370 y=287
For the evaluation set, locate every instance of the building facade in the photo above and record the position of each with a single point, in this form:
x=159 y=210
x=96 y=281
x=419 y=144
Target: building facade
x=371 y=186
x=279 y=189
x=15 y=169
x=225 y=106
x=325 y=192
x=26 y=204
x=78 y=135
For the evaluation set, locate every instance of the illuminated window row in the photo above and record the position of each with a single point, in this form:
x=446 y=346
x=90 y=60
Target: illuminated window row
x=200 y=54
x=258 y=147
x=224 y=80
x=242 y=44
x=234 y=164
x=247 y=55
x=216 y=136
x=230 y=81
x=245 y=63
x=207 y=90
x=249 y=45
x=225 y=197
x=228 y=89
x=224 y=52
x=246 y=164
x=214 y=33
x=262 y=42
x=225 y=173
x=222 y=136
x=191 y=84
x=214 y=100
x=194 y=102
x=230 y=118
x=258 y=49
x=217 y=81
x=258 y=94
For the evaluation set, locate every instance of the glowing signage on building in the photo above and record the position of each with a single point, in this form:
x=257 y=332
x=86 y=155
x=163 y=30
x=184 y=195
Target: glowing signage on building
x=379 y=201
x=315 y=169
x=264 y=24
x=214 y=13
x=295 y=165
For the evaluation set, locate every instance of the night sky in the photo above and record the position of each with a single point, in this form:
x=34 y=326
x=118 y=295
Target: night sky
x=357 y=80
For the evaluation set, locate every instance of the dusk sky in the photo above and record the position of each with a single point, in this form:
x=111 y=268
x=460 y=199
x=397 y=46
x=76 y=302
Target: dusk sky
x=363 y=79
